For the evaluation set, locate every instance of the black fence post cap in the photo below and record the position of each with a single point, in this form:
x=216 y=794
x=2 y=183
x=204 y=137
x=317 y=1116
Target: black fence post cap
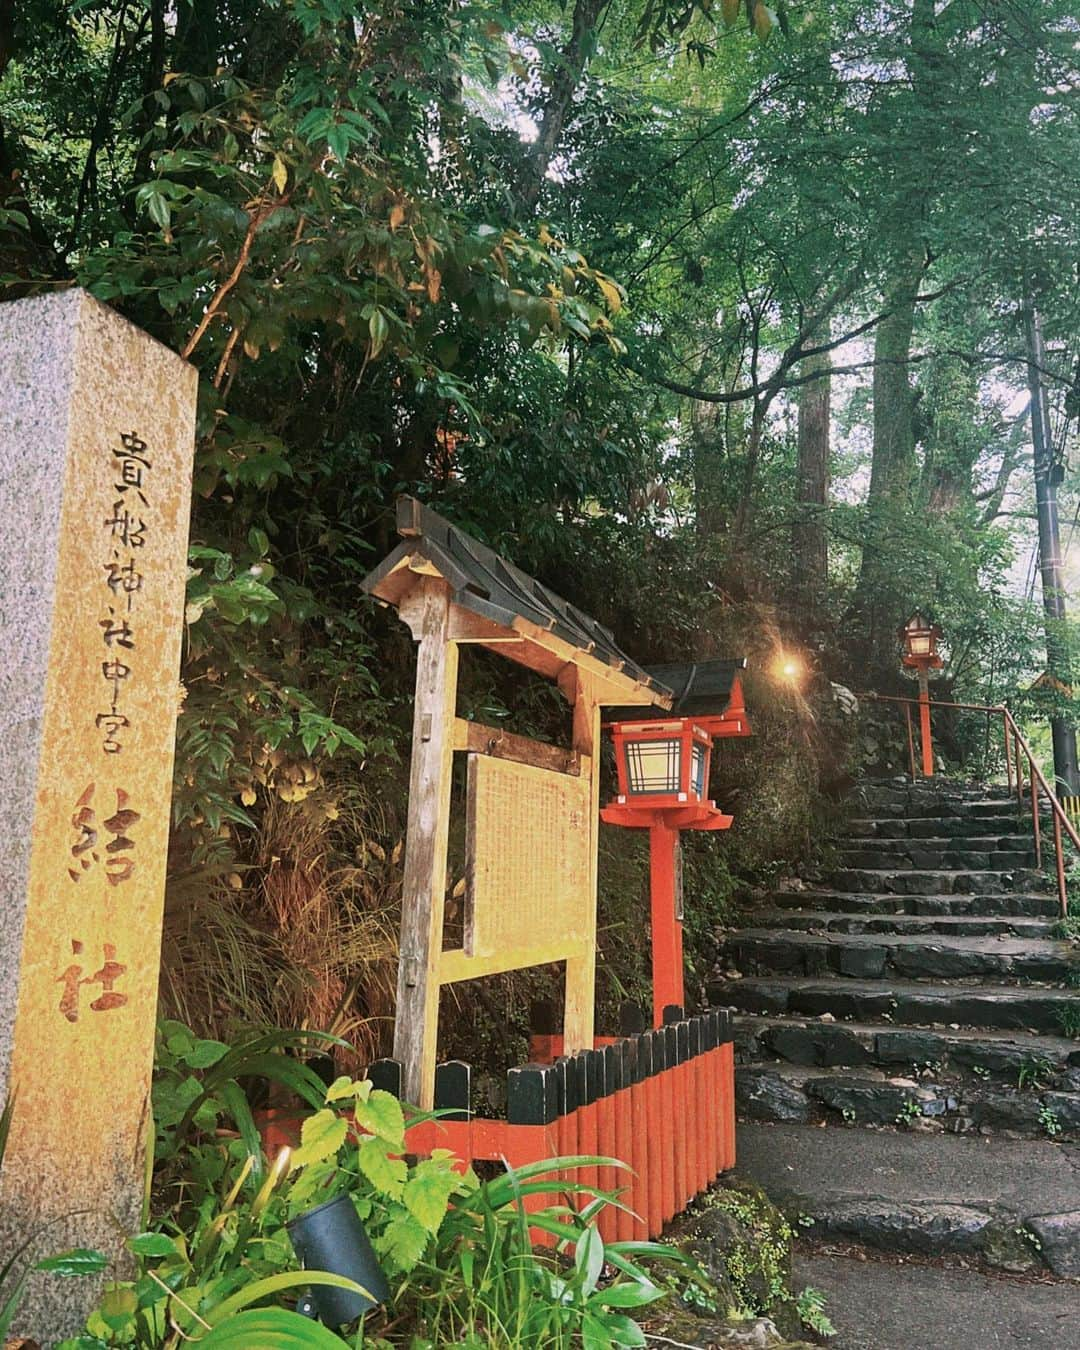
x=385 y=1074
x=531 y=1095
x=452 y=1083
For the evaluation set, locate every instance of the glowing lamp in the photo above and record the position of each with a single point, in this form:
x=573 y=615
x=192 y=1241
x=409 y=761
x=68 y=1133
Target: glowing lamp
x=919 y=638
x=662 y=763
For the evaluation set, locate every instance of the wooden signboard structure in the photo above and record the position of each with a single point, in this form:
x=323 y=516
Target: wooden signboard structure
x=661 y=1099
x=533 y=808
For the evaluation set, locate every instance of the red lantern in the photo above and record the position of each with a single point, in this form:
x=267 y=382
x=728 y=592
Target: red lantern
x=920 y=639
x=663 y=771
x=920 y=653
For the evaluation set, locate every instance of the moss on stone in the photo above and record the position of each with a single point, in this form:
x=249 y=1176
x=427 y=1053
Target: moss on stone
x=743 y=1244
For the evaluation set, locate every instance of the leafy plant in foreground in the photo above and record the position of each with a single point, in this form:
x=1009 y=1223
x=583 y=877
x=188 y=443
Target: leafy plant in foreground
x=457 y=1252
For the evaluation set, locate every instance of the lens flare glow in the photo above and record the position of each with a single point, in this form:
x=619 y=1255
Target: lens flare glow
x=788 y=667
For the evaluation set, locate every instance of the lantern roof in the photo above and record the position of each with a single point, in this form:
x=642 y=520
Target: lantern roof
x=515 y=614
x=918 y=623
x=708 y=691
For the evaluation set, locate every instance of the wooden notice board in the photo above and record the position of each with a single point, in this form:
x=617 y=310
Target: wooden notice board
x=528 y=848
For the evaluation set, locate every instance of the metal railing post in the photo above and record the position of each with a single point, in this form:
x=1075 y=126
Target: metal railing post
x=1063 y=899
x=1008 y=749
x=1035 y=816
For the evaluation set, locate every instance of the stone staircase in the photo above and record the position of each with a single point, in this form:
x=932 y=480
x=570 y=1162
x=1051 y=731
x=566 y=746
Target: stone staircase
x=923 y=987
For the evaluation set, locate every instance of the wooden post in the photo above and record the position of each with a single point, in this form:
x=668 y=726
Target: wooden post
x=924 y=724
x=1019 y=772
x=1008 y=750
x=1059 y=860
x=910 y=740
x=580 y=995
x=667 y=939
x=666 y=1038
x=427 y=612
x=1035 y=817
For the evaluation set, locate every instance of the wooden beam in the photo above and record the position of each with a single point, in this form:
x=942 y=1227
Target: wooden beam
x=609 y=684
x=465 y=626
x=493 y=741
x=457 y=965
x=427 y=612
x=579 y=1009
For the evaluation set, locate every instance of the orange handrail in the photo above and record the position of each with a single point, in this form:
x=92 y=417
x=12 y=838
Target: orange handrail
x=1015 y=744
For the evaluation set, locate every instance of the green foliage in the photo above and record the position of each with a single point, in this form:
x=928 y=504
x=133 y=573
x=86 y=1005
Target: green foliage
x=810 y=1305
x=1050 y=1121
x=566 y=272
x=759 y=1262
x=197 y=1088
x=457 y=1251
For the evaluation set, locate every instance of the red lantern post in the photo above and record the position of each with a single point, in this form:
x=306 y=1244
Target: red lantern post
x=919 y=639
x=663 y=771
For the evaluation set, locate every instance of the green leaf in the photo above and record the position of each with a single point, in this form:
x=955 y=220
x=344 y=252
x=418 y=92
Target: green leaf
x=386 y=1174
x=276 y=1284
x=404 y=1241
x=118 y=1306
x=321 y=1135
x=381 y=1115
x=345 y=1086
x=78 y=1261
x=427 y=1191
x=152 y=1244
x=589 y=1258
x=204 y=1053
x=379 y=331
x=270 y=1329
x=623 y=1330
x=636 y=1295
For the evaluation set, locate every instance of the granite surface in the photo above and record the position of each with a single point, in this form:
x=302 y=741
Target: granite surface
x=96 y=444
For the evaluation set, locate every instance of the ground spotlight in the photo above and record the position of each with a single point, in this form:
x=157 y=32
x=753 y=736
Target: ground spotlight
x=332 y=1238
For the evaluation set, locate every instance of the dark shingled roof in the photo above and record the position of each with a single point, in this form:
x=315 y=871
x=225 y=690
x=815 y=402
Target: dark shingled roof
x=701 y=689
x=498 y=591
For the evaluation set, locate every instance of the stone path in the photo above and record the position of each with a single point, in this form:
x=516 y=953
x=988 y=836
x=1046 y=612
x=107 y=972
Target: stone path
x=883 y=1305
x=908 y=1064
x=925 y=1194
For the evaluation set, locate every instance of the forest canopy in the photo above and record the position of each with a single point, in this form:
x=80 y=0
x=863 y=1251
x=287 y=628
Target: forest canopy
x=716 y=317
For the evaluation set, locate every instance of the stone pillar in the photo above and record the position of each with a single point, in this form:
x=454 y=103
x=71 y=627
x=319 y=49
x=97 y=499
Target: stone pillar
x=96 y=443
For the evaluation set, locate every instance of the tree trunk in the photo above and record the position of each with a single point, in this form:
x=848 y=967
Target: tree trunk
x=564 y=82
x=877 y=604
x=809 y=535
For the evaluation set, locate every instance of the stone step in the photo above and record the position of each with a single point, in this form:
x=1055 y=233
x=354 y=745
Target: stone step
x=850 y=902
x=911 y=798
x=1009 y=1203
x=918 y=881
x=866 y=1096
x=876 y=956
x=916 y=856
x=949 y=924
x=942 y=809
x=1016 y=1058
x=976 y=843
x=905 y=1002
x=926 y=827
